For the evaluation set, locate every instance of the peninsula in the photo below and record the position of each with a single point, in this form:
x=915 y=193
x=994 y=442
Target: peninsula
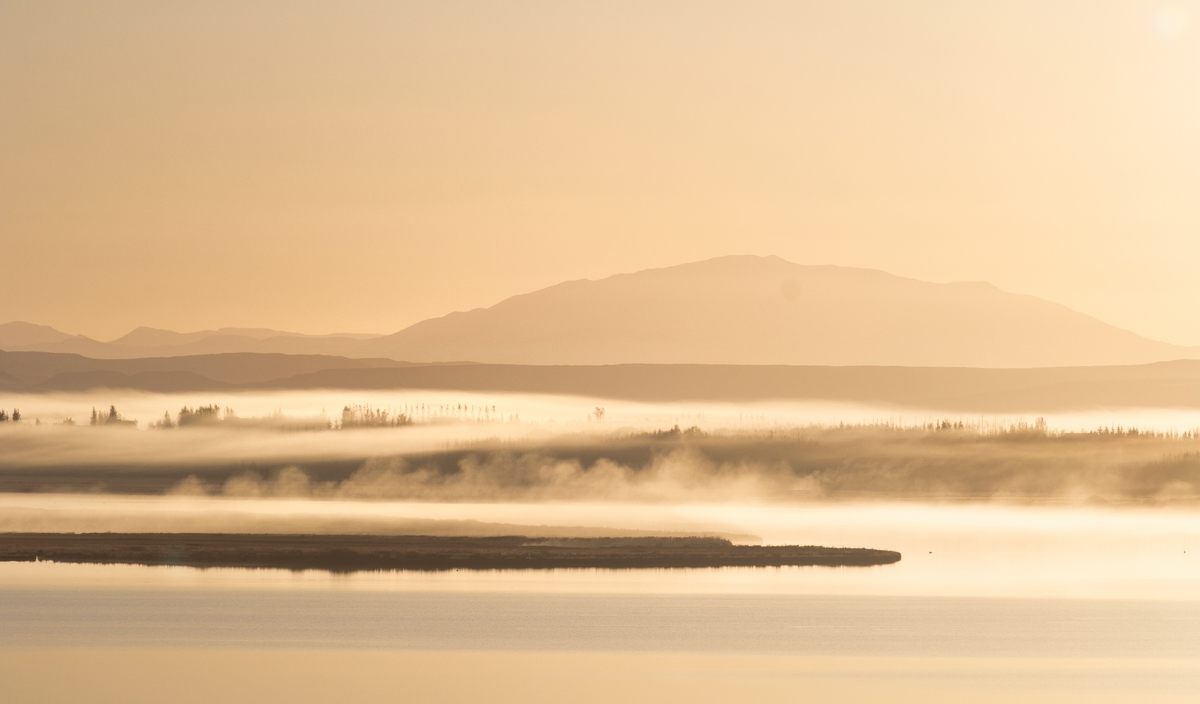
x=352 y=553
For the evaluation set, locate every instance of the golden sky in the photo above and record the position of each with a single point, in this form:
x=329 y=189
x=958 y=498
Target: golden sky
x=349 y=166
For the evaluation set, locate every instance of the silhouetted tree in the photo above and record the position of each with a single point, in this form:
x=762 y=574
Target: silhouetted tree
x=200 y=415
x=367 y=417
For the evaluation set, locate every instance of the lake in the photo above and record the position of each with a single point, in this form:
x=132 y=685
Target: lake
x=990 y=603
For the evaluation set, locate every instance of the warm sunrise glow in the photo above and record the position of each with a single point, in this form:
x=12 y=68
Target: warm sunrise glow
x=657 y=351
x=296 y=166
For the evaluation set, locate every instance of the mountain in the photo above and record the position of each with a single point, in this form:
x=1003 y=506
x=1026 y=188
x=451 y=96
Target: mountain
x=154 y=337
x=729 y=310
x=19 y=334
x=153 y=342
x=765 y=310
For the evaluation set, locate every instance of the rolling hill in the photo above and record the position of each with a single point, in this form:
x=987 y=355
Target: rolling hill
x=741 y=310
x=765 y=310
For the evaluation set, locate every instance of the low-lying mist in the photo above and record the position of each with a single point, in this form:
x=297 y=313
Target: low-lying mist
x=944 y=460
x=852 y=462
x=669 y=474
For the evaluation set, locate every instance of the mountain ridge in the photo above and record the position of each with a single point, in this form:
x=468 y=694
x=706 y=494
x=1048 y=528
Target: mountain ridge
x=766 y=310
x=726 y=310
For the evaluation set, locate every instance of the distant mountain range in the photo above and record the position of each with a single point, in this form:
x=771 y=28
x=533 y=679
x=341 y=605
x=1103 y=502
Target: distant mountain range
x=741 y=310
x=152 y=342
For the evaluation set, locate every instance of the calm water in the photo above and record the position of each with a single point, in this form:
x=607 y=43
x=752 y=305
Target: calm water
x=305 y=645
x=990 y=603
x=875 y=626
x=959 y=550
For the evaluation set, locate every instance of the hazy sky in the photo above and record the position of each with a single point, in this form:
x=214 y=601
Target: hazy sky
x=359 y=166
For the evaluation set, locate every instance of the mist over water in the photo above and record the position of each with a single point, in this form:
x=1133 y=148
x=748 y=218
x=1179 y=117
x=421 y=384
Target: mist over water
x=526 y=448
x=568 y=412
x=1053 y=536
x=980 y=507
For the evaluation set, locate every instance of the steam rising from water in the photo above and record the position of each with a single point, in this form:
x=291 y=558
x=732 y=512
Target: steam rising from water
x=505 y=476
x=529 y=448
x=782 y=472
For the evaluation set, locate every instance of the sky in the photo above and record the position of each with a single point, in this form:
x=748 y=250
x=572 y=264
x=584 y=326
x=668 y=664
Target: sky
x=359 y=166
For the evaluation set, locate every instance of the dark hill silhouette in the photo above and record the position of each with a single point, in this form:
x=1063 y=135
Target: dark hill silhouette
x=8 y=382
x=764 y=310
x=1164 y=384
x=36 y=368
x=153 y=381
